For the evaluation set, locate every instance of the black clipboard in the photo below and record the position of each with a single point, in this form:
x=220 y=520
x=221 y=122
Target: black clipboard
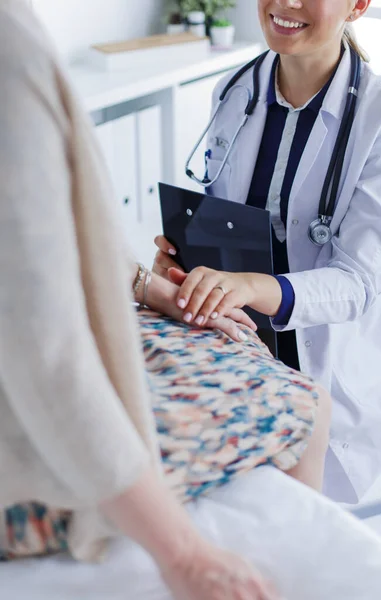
x=219 y=234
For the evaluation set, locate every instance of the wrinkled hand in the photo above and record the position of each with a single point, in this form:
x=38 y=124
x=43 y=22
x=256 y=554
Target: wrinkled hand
x=208 y=294
x=163 y=261
x=213 y=574
x=229 y=326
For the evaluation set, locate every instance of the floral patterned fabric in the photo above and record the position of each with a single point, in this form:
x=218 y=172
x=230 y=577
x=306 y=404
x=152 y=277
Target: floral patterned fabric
x=33 y=529
x=222 y=408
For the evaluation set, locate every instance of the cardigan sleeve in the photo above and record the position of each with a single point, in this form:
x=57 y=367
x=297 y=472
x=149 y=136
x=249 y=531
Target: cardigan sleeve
x=54 y=386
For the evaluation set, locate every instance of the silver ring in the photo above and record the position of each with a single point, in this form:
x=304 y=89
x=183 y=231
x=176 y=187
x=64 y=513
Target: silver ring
x=221 y=287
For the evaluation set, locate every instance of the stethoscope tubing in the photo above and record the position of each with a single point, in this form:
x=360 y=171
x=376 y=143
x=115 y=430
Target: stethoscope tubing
x=250 y=107
x=335 y=168
x=332 y=180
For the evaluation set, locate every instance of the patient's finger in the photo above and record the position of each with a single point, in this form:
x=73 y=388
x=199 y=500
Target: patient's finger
x=162 y=263
x=239 y=316
x=261 y=590
x=165 y=246
x=228 y=327
x=270 y=592
x=176 y=275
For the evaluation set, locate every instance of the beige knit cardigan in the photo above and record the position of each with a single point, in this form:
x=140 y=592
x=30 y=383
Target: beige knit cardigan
x=75 y=421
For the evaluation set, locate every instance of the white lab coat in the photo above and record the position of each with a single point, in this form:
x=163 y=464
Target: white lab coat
x=337 y=314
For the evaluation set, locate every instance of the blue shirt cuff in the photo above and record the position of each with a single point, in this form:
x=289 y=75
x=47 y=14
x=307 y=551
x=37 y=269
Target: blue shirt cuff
x=288 y=301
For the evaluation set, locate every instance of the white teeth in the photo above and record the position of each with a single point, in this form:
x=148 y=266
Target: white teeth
x=287 y=24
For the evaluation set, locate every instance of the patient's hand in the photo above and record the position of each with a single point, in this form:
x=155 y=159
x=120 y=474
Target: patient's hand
x=213 y=574
x=229 y=323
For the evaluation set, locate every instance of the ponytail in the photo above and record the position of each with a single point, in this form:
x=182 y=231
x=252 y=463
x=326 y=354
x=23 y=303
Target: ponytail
x=351 y=39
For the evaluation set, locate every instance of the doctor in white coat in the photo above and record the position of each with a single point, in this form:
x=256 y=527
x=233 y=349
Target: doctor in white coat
x=335 y=304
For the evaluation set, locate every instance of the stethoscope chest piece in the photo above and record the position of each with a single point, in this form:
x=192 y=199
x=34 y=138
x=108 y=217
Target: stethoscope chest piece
x=319 y=232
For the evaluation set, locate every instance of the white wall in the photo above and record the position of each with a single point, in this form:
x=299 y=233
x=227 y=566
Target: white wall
x=76 y=24
x=368 y=32
x=245 y=18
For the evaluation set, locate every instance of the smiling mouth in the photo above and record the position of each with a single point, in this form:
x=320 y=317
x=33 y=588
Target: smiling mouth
x=288 y=23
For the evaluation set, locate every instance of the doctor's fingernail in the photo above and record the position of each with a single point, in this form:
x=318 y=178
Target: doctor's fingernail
x=182 y=303
x=242 y=336
x=188 y=317
x=214 y=315
x=200 y=320
x=172 y=252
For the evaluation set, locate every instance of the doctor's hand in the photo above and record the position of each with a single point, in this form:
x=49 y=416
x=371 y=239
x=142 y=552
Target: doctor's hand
x=163 y=261
x=162 y=297
x=206 y=294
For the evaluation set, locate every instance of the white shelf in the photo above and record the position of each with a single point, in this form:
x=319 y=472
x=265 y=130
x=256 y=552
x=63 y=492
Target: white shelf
x=99 y=89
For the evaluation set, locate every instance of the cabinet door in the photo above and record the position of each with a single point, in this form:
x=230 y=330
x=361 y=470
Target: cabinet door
x=150 y=173
x=125 y=169
x=118 y=143
x=193 y=106
x=104 y=134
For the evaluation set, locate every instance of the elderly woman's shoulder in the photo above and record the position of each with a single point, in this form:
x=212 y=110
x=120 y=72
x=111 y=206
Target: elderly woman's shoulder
x=22 y=38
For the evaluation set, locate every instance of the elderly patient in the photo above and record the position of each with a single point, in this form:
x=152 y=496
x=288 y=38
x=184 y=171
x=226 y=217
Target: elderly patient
x=89 y=387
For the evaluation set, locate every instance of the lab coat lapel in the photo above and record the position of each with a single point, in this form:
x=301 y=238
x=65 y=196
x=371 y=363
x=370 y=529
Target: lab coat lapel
x=332 y=110
x=245 y=153
x=310 y=155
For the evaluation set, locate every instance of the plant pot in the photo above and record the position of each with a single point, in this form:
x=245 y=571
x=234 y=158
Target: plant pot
x=175 y=29
x=223 y=37
x=196 y=21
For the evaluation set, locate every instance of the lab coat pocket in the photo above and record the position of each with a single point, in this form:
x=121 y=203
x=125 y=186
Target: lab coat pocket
x=358 y=371
x=219 y=189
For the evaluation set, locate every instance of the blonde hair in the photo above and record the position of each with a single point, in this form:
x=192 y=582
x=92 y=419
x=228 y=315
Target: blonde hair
x=350 y=37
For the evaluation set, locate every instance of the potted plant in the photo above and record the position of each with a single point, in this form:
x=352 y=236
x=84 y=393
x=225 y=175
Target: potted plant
x=194 y=11
x=175 y=24
x=176 y=20
x=222 y=30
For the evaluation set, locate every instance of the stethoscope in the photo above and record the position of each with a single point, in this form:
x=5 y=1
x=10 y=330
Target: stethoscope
x=319 y=231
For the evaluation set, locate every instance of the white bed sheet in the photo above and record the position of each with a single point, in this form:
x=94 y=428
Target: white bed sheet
x=310 y=547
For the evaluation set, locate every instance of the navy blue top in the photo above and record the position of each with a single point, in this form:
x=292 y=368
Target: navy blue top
x=259 y=191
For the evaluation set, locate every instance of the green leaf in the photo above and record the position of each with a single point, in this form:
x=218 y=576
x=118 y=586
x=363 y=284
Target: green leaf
x=221 y=23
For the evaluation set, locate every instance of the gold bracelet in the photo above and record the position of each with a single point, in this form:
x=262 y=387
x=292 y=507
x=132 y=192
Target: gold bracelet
x=146 y=285
x=139 y=278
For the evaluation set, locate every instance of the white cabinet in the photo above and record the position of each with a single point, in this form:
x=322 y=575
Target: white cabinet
x=125 y=169
x=193 y=103
x=135 y=148
x=118 y=144
x=149 y=144
x=104 y=135
x=132 y=149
